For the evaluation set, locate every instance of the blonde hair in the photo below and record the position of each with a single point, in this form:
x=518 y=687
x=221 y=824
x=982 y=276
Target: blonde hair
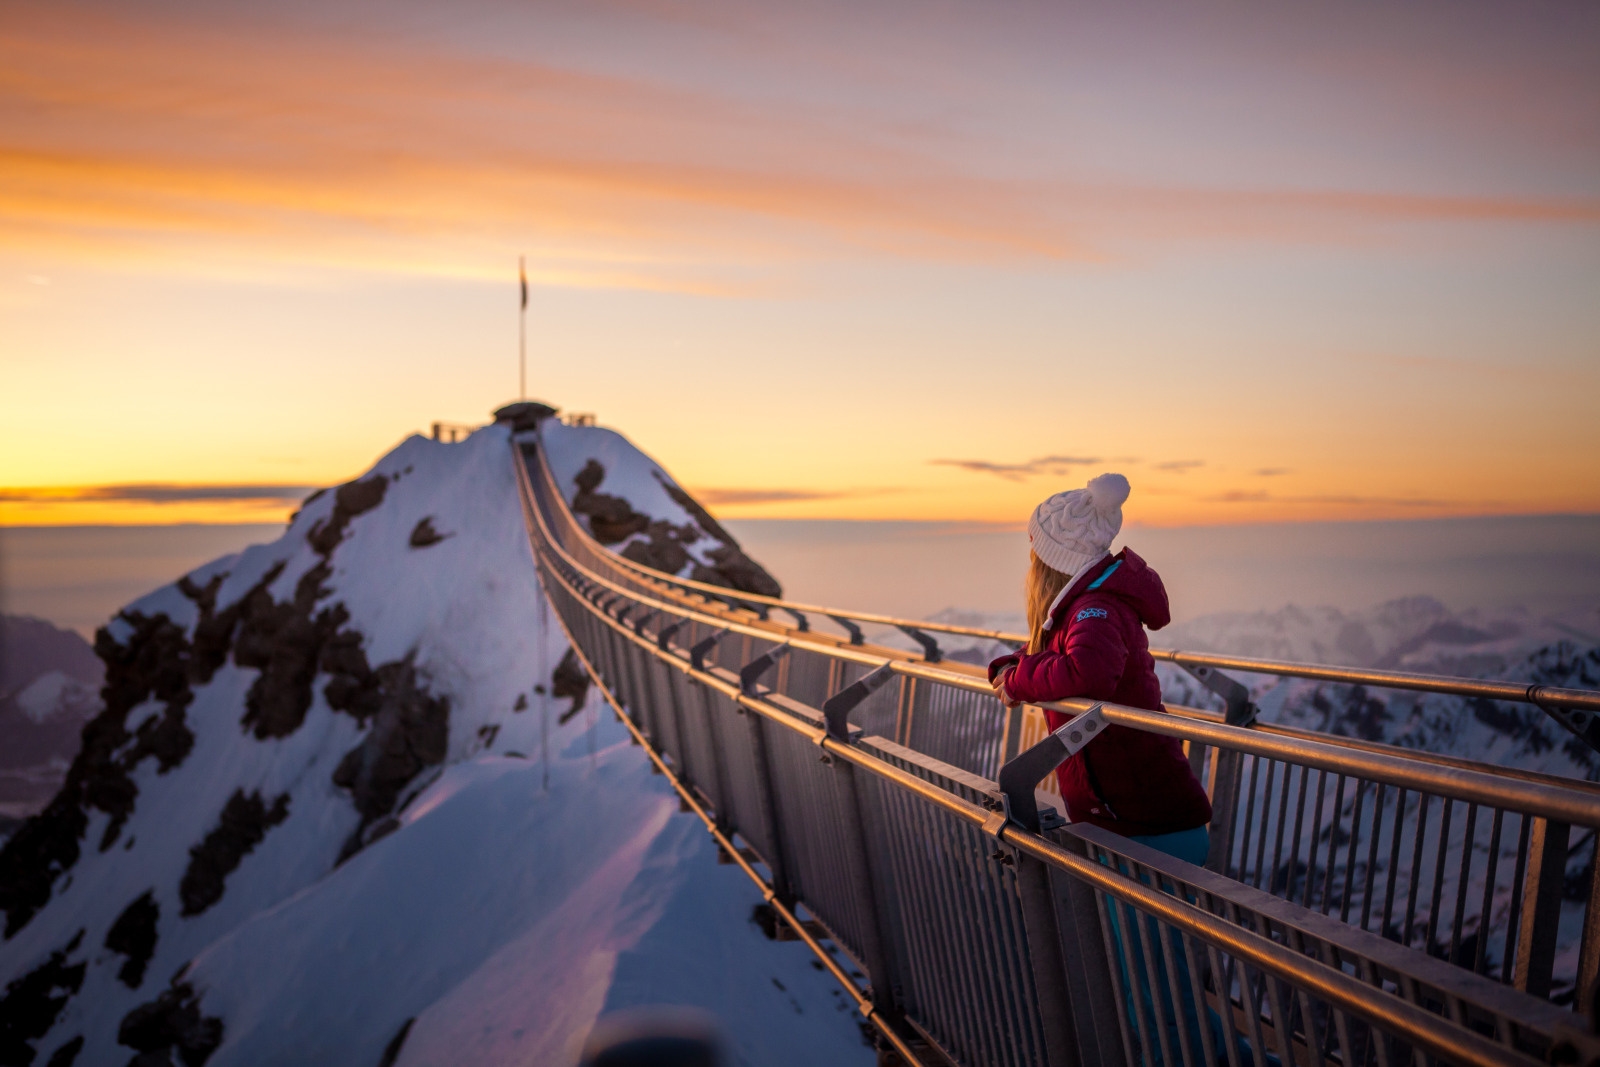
x=1044 y=583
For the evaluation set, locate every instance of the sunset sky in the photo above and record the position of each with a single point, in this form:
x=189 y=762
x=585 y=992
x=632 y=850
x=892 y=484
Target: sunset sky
x=892 y=260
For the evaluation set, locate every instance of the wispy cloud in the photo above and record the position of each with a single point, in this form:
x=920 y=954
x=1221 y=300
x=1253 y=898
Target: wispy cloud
x=1270 y=472
x=779 y=496
x=153 y=493
x=1261 y=496
x=1179 y=466
x=1016 y=472
x=146 y=137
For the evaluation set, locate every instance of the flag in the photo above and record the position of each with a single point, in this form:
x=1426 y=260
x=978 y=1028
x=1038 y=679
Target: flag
x=522 y=275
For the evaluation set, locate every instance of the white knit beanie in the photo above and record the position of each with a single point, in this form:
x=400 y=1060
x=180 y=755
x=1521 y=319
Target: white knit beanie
x=1071 y=530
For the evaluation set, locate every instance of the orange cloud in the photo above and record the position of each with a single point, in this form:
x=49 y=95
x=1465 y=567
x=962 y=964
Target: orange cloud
x=152 y=137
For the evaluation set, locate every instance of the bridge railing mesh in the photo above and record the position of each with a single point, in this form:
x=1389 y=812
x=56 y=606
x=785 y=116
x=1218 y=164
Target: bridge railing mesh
x=1309 y=940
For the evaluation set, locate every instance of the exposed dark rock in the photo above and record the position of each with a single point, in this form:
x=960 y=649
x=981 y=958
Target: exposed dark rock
x=732 y=568
x=664 y=550
x=31 y=1003
x=244 y=822
x=134 y=935
x=488 y=733
x=569 y=679
x=693 y=507
x=67 y=1054
x=524 y=414
x=391 y=1051
x=522 y=702
x=409 y=731
x=170 y=1024
x=612 y=519
x=729 y=566
x=284 y=640
x=589 y=479
x=424 y=534
x=349 y=500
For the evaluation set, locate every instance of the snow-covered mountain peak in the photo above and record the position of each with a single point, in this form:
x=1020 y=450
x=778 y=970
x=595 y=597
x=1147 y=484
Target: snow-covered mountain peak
x=292 y=741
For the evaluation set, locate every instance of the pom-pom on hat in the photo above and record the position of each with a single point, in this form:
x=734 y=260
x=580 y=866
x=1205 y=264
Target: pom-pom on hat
x=1073 y=529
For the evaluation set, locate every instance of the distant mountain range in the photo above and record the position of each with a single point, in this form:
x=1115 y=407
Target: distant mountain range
x=49 y=688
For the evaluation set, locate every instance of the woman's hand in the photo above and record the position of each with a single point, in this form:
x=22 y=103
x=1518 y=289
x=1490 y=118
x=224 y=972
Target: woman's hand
x=1001 y=693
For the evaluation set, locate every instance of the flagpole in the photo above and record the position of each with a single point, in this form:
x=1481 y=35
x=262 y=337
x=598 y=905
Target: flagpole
x=522 y=331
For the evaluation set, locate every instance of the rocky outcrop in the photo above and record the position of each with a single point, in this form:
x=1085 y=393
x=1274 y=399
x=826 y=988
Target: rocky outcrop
x=423 y=534
x=730 y=567
x=349 y=500
x=170 y=1025
x=612 y=519
x=409 y=732
x=133 y=936
x=663 y=550
x=31 y=1003
x=242 y=825
x=569 y=679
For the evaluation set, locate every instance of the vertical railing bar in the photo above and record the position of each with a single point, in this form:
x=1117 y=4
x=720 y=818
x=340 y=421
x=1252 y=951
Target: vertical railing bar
x=1393 y=874
x=1350 y=852
x=1299 y=826
x=1372 y=854
x=1316 y=839
x=1266 y=817
x=1170 y=964
x=1416 y=866
x=1147 y=1040
x=1333 y=844
x=1480 y=962
x=1208 y=1044
x=1375 y=1037
x=1514 y=916
x=1249 y=820
x=1222 y=969
x=1151 y=979
x=1440 y=856
x=1104 y=902
x=1463 y=880
x=1277 y=846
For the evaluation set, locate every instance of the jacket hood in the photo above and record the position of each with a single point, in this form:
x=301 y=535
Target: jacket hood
x=1127 y=577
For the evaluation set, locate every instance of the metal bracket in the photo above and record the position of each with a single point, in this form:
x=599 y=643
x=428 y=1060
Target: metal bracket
x=622 y=616
x=1019 y=777
x=1584 y=724
x=1240 y=711
x=837 y=708
x=930 y=647
x=750 y=672
x=850 y=626
x=664 y=635
x=697 y=654
x=638 y=625
x=799 y=617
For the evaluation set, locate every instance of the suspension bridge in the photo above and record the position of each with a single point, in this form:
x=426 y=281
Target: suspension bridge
x=1361 y=903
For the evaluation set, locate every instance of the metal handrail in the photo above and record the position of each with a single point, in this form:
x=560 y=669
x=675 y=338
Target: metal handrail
x=1479 y=783
x=947 y=710
x=1361 y=994
x=1542 y=695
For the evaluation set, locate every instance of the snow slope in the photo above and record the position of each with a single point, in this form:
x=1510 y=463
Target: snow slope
x=315 y=807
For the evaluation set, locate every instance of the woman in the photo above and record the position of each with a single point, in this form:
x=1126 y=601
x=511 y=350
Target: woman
x=1087 y=611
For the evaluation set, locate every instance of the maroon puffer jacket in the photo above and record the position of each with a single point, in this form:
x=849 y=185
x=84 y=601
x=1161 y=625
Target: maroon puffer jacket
x=1126 y=780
